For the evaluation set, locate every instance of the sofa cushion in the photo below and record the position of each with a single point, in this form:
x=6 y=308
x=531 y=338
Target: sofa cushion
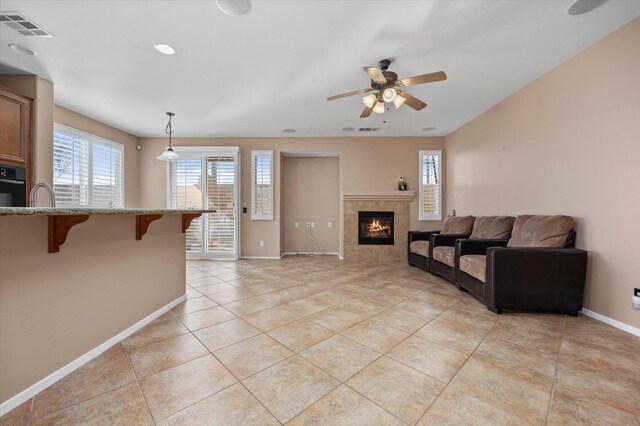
x=458 y=225
x=474 y=265
x=446 y=255
x=540 y=231
x=420 y=247
x=492 y=227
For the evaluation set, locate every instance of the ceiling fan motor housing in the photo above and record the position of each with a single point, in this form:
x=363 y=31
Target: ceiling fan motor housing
x=391 y=77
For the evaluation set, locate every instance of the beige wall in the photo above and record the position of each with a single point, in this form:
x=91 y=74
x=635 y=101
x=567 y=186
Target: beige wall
x=367 y=164
x=56 y=307
x=311 y=194
x=77 y=121
x=569 y=143
x=41 y=91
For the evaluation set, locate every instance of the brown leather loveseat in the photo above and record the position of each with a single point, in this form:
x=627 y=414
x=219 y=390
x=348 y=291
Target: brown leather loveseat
x=539 y=269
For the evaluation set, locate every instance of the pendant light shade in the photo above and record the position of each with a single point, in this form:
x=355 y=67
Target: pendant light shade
x=169 y=154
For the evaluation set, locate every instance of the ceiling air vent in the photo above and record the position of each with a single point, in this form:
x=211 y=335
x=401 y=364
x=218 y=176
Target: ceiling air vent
x=368 y=129
x=23 y=25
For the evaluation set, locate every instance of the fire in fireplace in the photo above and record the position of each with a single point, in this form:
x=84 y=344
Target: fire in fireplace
x=375 y=228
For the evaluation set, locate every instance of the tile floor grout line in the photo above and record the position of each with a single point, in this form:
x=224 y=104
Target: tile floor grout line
x=135 y=374
x=238 y=380
x=555 y=373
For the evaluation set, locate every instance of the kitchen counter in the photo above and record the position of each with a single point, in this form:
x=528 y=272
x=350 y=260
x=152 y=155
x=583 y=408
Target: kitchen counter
x=74 y=282
x=74 y=211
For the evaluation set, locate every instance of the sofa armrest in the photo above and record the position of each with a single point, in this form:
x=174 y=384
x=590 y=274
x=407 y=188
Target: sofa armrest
x=421 y=235
x=464 y=247
x=536 y=278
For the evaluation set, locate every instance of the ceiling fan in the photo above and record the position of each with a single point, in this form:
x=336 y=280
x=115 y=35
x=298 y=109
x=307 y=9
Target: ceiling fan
x=384 y=83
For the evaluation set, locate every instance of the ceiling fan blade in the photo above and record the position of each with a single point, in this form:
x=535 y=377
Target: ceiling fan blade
x=344 y=95
x=368 y=110
x=421 y=79
x=376 y=74
x=409 y=100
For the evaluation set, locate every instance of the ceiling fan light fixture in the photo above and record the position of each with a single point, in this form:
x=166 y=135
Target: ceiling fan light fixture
x=389 y=94
x=379 y=108
x=369 y=100
x=398 y=101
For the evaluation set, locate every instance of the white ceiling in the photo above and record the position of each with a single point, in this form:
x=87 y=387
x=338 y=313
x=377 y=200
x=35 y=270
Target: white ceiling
x=272 y=69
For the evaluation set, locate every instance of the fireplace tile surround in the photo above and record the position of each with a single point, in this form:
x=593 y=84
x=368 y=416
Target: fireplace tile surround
x=382 y=201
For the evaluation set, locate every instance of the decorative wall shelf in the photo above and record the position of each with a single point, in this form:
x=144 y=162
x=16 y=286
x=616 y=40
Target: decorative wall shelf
x=378 y=195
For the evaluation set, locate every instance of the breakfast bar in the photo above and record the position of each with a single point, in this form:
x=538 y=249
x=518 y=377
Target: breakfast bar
x=75 y=281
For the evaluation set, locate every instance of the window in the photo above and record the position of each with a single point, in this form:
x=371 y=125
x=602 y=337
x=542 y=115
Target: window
x=262 y=185
x=430 y=185
x=87 y=170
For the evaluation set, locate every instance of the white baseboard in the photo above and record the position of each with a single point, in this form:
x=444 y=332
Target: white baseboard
x=52 y=378
x=612 y=322
x=310 y=253
x=263 y=257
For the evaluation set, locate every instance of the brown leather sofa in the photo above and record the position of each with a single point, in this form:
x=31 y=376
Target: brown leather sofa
x=442 y=251
x=418 y=247
x=537 y=269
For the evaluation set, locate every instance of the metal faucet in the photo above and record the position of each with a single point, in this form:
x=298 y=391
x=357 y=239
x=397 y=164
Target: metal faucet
x=34 y=191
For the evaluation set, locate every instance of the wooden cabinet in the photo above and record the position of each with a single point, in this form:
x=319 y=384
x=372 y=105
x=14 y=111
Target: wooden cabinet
x=15 y=129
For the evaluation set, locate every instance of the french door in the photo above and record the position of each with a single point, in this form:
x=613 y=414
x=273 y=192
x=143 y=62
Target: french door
x=208 y=179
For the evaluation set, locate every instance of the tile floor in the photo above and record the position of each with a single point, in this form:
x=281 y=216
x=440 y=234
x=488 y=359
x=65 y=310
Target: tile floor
x=315 y=340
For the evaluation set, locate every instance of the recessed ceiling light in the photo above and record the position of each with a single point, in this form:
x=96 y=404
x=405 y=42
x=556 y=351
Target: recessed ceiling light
x=22 y=49
x=289 y=130
x=579 y=7
x=234 y=7
x=428 y=129
x=348 y=129
x=165 y=49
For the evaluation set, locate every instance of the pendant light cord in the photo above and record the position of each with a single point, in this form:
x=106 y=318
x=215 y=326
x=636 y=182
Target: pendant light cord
x=169 y=129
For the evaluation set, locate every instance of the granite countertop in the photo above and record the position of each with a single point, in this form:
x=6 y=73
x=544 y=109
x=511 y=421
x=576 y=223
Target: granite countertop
x=76 y=211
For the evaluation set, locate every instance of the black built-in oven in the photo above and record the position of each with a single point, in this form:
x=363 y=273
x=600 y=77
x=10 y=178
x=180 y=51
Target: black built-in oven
x=13 y=186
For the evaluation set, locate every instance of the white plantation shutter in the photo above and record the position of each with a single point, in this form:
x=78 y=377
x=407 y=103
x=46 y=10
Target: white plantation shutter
x=430 y=203
x=187 y=193
x=203 y=181
x=221 y=182
x=87 y=170
x=262 y=185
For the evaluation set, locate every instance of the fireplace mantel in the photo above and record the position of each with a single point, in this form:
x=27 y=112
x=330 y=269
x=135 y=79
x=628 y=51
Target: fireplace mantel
x=378 y=195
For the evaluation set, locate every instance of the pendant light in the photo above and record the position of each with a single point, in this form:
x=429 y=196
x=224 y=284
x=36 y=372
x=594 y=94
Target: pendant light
x=169 y=154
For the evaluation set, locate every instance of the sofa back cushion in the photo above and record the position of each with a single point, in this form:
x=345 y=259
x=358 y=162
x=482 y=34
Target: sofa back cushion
x=540 y=231
x=492 y=227
x=458 y=225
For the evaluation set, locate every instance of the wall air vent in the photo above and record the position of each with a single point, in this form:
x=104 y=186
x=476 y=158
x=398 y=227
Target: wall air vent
x=368 y=129
x=23 y=25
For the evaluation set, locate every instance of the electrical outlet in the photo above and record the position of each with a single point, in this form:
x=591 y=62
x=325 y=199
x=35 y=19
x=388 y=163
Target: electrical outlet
x=308 y=224
x=635 y=300
x=261 y=243
x=297 y=225
x=329 y=225
x=313 y=224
